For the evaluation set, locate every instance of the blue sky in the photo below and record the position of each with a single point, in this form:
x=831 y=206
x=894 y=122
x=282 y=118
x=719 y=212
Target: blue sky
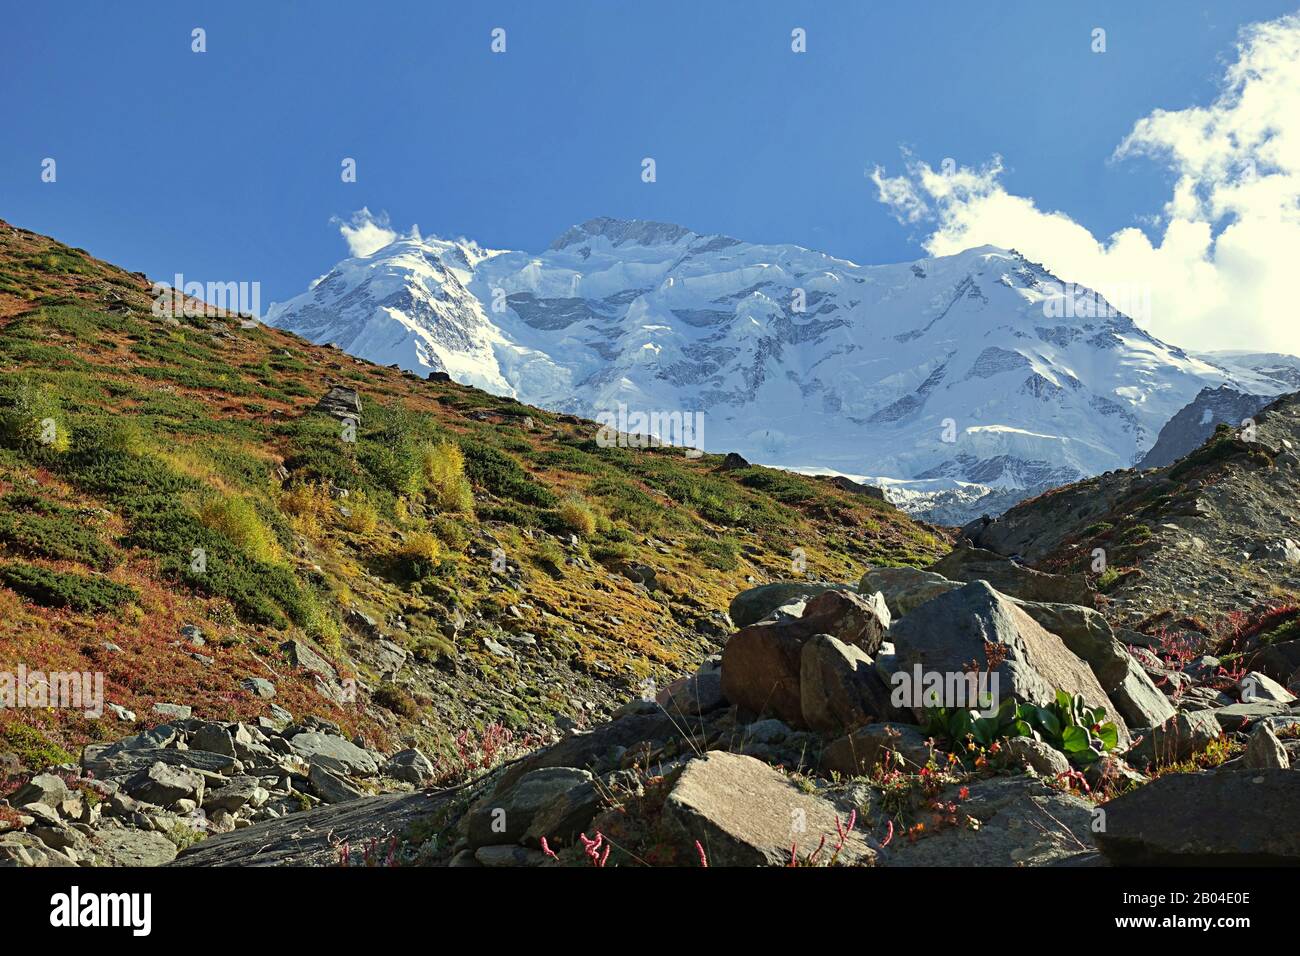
x=225 y=165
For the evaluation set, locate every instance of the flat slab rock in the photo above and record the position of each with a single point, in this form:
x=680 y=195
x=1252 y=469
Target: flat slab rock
x=311 y=838
x=745 y=813
x=1021 y=822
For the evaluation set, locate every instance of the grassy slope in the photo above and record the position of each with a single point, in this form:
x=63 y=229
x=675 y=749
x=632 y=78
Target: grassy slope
x=169 y=435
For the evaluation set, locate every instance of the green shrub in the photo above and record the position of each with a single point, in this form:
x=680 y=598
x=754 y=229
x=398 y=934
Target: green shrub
x=88 y=595
x=503 y=476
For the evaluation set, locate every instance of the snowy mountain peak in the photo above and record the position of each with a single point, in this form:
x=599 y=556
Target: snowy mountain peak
x=980 y=367
x=623 y=232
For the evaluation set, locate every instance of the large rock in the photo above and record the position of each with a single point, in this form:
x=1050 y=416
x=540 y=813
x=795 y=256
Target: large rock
x=760 y=669
x=905 y=588
x=1258 y=686
x=410 y=765
x=164 y=785
x=839 y=689
x=751 y=606
x=301 y=654
x=949 y=632
x=1229 y=818
x=860 y=752
x=694 y=694
x=761 y=663
x=1176 y=740
x=1021 y=821
x=1264 y=751
x=332 y=787
x=975 y=564
x=745 y=813
x=44 y=788
x=1089 y=637
x=504 y=817
x=334 y=753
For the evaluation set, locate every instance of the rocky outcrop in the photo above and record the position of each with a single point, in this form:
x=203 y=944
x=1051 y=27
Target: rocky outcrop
x=955 y=630
x=905 y=588
x=1195 y=422
x=1015 y=580
x=761 y=663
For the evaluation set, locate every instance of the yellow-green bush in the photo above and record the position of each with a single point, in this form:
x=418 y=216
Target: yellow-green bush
x=309 y=507
x=235 y=519
x=578 y=518
x=362 y=517
x=443 y=466
x=34 y=420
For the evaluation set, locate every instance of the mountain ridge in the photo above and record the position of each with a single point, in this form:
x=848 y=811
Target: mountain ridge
x=978 y=368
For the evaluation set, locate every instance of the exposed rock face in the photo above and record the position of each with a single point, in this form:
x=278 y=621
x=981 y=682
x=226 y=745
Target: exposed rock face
x=1015 y=580
x=1089 y=637
x=1228 y=818
x=1196 y=421
x=839 y=688
x=745 y=813
x=1265 y=751
x=905 y=588
x=1021 y=822
x=341 y=403
x=948 y=633
x=751 y=606
x=761 y=662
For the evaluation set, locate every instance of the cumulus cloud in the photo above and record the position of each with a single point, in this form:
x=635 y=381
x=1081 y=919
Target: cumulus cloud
x=1221 y=271
x=366 y=233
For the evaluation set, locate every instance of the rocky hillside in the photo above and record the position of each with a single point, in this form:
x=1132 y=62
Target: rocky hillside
x=235 y=527
x=472 y=638
x=1195 y=422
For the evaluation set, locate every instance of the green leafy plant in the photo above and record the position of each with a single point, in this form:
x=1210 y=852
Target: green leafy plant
x=1081 y=732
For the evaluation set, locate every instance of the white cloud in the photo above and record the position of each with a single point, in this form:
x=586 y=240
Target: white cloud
x=365 y=233
x=1222 y=271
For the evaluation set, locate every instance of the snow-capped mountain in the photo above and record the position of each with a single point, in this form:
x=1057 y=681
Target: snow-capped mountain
x=979 y=368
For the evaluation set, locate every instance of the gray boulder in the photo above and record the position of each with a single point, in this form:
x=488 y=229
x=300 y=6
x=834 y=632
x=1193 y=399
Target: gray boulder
x=860 y=752
x=506 y=817
x=975 y=564
x=1264 y=751
x=334 y=753
x=410 y=765
x=1021 y=822
x=1229 y=818
x=1090 y=638
x=905 y=588
x=44 y=788
x=839 y=689
x=331 y=787
x=164 y=785
x=752 y=605
x=949 y=632
x=746 y=813
x=1176 y=740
